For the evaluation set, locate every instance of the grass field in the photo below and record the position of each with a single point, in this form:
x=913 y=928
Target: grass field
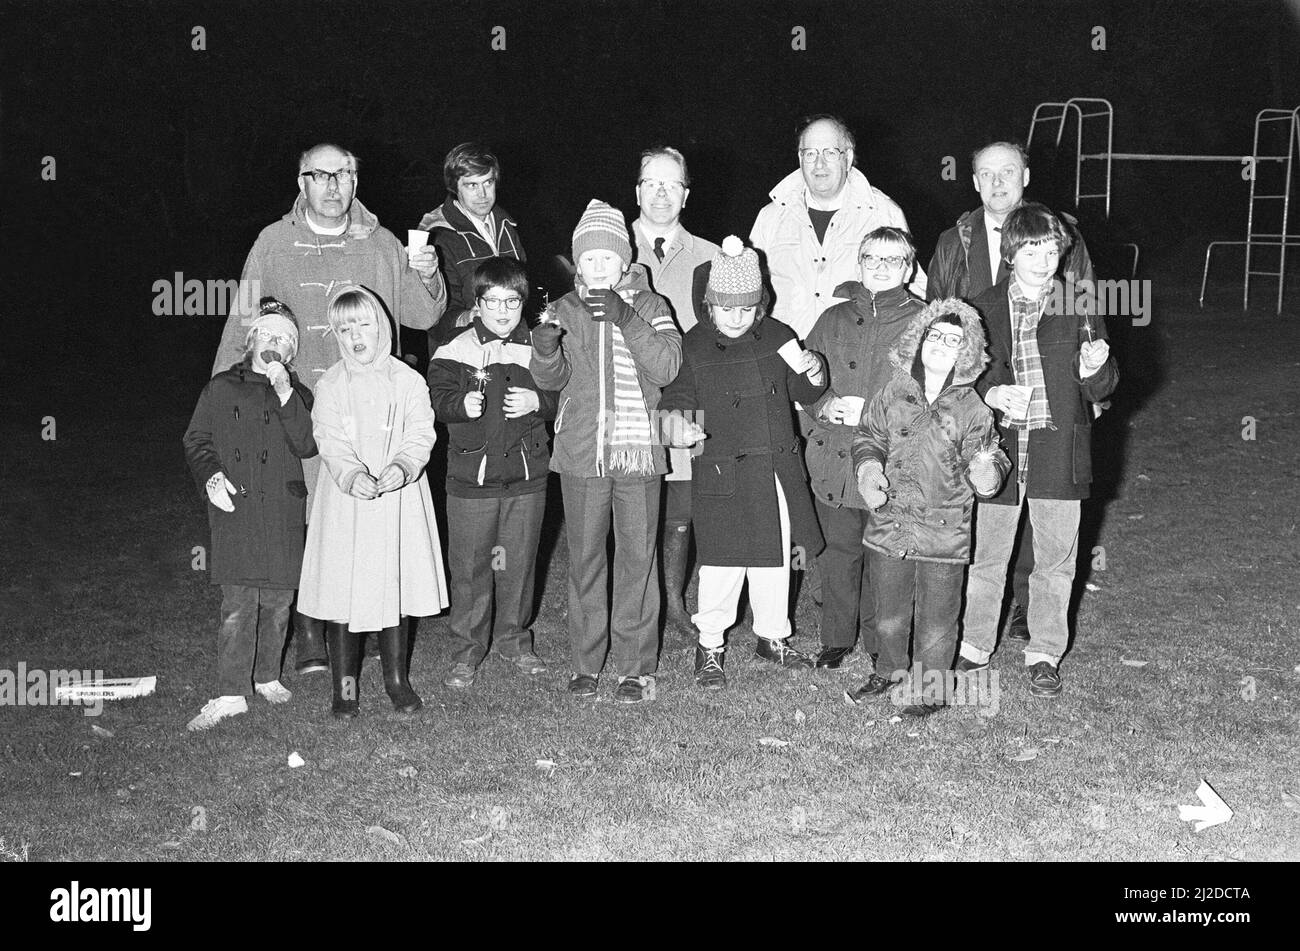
x=1200 y=582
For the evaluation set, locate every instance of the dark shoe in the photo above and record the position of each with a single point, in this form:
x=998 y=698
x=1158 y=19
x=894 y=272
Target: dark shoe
x=460 y=676
x=830 y=658
x=921 y=709
x=964 y=666
x=394 y=651
x=345 y=654
x=1044 y=680
x=309 y=644
x=708 y=667
x=1018 y=623
x=582 y=687
x=874 y=687
x=634 y=689
x=678 y=619
x=779 y=652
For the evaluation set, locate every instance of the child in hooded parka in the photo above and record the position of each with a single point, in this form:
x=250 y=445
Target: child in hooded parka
x=924 y=447
x=373 y=555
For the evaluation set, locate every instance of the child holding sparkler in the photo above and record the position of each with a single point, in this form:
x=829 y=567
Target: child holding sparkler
x=497 y=463
x=373 y=555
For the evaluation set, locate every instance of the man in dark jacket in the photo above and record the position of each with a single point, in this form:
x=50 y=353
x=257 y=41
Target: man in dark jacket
x=467 y=229
x=968 y=261
x=1048 y=364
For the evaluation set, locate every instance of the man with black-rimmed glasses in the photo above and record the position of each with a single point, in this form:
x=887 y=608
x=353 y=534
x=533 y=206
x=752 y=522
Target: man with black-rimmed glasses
x=327 y=239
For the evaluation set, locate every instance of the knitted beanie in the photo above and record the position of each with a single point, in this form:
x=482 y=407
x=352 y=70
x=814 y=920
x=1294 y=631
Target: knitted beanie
x=601 y=229
x=735 y=279
x=276 y=317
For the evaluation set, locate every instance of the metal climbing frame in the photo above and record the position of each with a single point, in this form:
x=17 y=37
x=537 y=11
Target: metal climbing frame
x=1103 y=115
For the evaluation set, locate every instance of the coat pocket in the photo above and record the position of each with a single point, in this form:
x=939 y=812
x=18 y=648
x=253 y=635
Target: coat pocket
x=1082 y=454
x=715 y=478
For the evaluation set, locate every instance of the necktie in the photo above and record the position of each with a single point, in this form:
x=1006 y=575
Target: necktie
x=659 y=248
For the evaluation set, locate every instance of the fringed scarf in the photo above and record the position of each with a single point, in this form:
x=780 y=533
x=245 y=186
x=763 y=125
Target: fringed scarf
x=624 y=443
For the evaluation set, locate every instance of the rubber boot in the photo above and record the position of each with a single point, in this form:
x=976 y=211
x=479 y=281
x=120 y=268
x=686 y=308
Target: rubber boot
x=393 y=644
x=309 y=644
x=676 y=545
x=345 y=652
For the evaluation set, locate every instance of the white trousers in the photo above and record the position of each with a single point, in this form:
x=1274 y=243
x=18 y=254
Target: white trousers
x=769 y=592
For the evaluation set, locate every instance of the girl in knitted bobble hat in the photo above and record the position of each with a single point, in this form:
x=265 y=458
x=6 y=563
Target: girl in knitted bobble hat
x=750 y=501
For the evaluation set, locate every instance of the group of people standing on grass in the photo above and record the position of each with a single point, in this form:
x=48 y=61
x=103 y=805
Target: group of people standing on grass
x=791 y=400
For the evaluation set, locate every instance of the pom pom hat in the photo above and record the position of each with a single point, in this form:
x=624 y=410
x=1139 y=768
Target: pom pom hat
x=601 y=228
x=735 y=279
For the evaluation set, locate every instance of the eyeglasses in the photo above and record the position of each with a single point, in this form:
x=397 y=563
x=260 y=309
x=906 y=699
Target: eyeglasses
x=809 y=156
x=873 y=261
x=268 y=336
x=342 y=178
x=655 y=184
x=496 y=303
x=951 y=341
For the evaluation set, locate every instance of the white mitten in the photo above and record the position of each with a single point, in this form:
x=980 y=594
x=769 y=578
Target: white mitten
x=220 y=489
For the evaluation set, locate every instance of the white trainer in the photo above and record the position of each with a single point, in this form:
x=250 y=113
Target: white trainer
x=216 y=710
x=274 y=692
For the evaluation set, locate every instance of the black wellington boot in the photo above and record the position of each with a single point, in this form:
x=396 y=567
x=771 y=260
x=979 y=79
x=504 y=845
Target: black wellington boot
x=393 y=644
x=676 y=547
x=309 y=644
x=345 y=651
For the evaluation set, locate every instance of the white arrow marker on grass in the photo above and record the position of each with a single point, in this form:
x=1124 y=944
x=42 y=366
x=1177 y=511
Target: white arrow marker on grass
x=1214 y=812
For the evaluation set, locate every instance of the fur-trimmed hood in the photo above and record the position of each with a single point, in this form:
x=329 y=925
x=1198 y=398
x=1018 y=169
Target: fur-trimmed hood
x=972 y=359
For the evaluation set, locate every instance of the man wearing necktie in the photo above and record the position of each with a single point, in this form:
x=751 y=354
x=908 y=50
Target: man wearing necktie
x=671 y=254
x=967 y=262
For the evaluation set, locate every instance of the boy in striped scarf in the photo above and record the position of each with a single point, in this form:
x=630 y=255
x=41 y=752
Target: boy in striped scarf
x=609 y=347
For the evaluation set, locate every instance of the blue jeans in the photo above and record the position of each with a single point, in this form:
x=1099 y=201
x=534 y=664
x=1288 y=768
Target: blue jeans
x=254 y=624
x=1055 y=525
x=934 y=588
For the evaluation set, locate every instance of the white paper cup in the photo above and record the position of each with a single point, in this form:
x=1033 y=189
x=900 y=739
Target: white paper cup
x=416 y=240
x=855 y=406
x=792 y=353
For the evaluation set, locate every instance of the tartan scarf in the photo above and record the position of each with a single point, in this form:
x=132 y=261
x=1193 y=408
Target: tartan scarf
x=1027 y=364
x=623 y=435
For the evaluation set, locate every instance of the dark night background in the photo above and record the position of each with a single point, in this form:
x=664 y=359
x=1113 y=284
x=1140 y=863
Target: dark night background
x=172 y=160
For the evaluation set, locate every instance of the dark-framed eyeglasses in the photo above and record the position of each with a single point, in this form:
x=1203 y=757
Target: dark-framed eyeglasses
x=951 y=341
x=497 y=303
x=342 y=178
x=873 y=261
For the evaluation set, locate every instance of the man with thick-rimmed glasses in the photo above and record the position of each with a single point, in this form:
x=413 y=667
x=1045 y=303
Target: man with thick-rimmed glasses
x=327 y=239
x=818 y=215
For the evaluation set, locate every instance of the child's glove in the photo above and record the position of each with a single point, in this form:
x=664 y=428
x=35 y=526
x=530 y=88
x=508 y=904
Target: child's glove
x=220 y=489
x=606 y=304
x=280 y=382
x=984 y=474
x=546 y=339
x=872 y=484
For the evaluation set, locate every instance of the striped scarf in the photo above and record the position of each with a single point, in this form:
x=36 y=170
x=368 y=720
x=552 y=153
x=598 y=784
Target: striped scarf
x=624 y=444
x=1028 y=366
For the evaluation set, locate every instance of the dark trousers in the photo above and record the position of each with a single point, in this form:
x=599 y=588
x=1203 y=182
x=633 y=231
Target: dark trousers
x=254 y=625
x=848 y=604
x=1024 y=564
x=675 y=505
x=632 y=506
x=492 y=555
x=921 y=594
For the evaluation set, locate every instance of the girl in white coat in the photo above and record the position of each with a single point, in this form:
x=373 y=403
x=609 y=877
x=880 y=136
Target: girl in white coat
x=373 y=556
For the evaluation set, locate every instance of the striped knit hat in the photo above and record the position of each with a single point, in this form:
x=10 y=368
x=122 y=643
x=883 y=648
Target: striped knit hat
x=601 y=229
x=734 y=277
